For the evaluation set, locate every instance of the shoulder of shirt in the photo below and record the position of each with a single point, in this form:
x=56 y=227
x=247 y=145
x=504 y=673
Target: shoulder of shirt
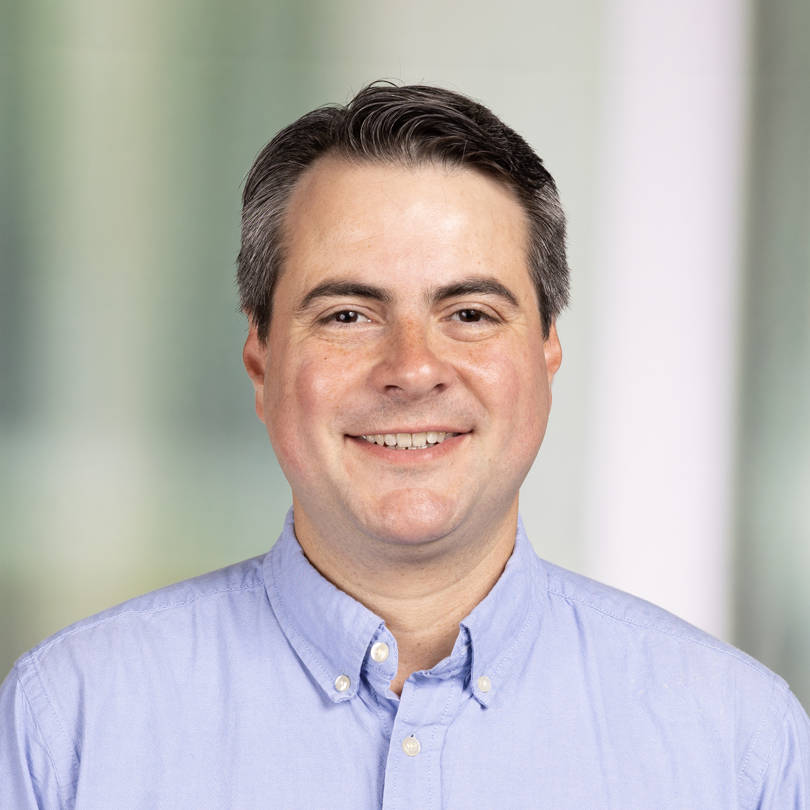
x=722 y=681
x=646 y=620
x=242 y=577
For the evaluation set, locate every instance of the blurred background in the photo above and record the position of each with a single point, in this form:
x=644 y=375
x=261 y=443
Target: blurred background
x=677 y=462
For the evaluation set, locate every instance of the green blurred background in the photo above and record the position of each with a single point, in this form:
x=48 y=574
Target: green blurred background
x=130 y=455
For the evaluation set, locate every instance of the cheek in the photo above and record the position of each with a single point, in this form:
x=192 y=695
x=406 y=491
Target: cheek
x=301 y=384
x=301 y=407
x=291 y=404
x=516 y=386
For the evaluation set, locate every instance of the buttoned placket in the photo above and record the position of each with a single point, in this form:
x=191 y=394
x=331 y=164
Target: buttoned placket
x=418 y=724
x=413 y=778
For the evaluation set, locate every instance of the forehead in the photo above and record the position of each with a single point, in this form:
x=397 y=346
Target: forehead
x=402 y=224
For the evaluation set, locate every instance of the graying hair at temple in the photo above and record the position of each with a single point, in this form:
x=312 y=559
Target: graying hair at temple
x=413 y=125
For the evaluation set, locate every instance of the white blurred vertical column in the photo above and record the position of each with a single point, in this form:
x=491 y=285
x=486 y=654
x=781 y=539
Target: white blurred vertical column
x=657 y=512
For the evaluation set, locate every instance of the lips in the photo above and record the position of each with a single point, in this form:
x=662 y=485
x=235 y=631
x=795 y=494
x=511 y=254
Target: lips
x=409 y=441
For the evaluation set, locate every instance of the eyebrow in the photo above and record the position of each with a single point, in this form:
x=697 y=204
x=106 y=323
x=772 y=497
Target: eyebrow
x=355 y=289
x=473 y=286
x=340 y=289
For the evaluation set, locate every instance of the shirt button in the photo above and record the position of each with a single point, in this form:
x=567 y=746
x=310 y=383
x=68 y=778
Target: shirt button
x=379 y=652
x=484 y=683
x=410 y=745
x=342 y=683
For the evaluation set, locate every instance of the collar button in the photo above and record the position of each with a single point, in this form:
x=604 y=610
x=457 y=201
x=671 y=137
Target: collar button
x=379 y=652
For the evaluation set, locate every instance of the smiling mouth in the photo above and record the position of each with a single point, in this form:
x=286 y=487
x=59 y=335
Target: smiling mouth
x=409 y=441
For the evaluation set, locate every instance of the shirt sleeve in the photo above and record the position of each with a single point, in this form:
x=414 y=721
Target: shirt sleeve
x=28 y=779
x=786 y=781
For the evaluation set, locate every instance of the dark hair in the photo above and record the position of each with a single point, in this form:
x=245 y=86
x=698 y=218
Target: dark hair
x=413 y=125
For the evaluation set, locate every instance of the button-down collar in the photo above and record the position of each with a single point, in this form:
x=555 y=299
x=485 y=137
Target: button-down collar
x=332 y=633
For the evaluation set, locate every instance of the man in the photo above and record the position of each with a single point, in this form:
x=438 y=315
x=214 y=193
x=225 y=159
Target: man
x=401 y=646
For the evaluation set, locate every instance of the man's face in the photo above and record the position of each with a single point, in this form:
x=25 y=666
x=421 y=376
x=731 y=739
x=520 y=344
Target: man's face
x=405 y=310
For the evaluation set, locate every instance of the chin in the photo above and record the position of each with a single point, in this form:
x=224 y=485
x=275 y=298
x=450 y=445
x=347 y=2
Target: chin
x=413 y=517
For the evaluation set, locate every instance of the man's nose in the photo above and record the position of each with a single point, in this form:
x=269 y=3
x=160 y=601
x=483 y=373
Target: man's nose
x=410 y=366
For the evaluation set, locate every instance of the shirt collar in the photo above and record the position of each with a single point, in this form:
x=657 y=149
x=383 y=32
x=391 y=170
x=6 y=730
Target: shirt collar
x=498 y=626
x=329 y=630
x=332 y=633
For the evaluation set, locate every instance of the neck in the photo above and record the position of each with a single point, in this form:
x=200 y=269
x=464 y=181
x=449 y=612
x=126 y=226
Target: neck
x=421 y=594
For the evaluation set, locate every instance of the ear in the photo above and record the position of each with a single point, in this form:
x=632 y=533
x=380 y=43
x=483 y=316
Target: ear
x=254 y=356
x=553 y=353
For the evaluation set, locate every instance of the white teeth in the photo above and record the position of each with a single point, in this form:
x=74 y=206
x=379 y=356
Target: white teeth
x=408 y=441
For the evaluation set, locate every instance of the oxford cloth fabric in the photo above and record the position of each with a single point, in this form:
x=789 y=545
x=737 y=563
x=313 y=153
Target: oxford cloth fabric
x=220 y=692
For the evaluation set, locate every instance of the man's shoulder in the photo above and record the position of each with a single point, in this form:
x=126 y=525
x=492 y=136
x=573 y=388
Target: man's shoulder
x=651 y=670
x=619 y=617
x=160 y=613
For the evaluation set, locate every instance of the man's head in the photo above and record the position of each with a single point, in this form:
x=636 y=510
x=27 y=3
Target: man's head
x=412 y=126
x=407 y=308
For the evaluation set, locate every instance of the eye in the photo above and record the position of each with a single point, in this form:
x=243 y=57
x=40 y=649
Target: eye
x=471 y=315
x=347 y=316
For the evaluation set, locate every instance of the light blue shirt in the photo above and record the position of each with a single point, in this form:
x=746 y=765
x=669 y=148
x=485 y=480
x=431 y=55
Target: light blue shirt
x=256 y=687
